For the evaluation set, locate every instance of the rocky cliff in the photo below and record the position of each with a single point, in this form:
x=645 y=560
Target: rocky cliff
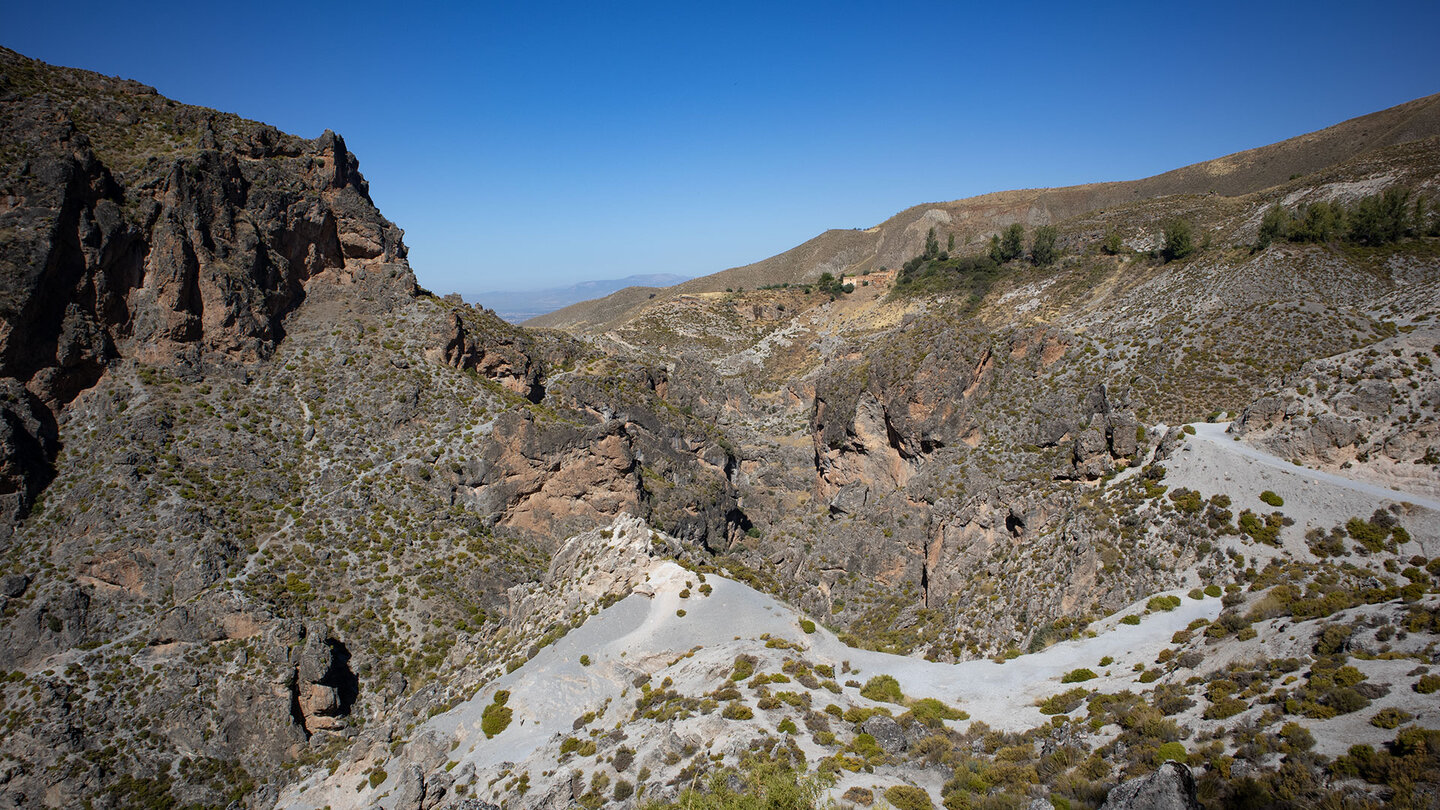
x=259 y=489
x=135 y=227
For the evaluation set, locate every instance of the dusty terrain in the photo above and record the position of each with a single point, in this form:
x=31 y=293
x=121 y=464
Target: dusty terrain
x=277 y=526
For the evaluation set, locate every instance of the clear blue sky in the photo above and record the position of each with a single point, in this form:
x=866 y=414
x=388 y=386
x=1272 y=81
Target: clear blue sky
x=532 y=144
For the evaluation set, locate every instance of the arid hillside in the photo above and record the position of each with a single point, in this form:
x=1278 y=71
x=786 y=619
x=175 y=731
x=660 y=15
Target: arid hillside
x=278 y=527
x=851 y=252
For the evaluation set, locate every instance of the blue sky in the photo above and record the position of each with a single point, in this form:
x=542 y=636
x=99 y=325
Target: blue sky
x=525 y=145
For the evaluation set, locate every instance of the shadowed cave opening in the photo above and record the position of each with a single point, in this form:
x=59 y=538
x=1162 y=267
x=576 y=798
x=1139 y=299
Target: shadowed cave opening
x=340 y=677
x=1014 y=525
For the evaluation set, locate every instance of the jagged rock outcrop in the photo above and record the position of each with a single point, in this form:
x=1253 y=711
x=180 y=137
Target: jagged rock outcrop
x=188 y=250
x=1108 y=437
x=1170 y=787
x=325 y=688
x=592 y=565
x=492 y=348
x=1368 y=412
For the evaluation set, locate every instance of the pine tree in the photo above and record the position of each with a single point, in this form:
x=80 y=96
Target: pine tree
x=1042 y=246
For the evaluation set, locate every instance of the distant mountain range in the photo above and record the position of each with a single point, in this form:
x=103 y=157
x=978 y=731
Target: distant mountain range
x=522 y=305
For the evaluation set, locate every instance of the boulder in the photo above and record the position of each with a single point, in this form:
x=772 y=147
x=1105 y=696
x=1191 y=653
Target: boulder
x=411 y=793
x=13 y=585
x=887 y=733
x=1170 y=787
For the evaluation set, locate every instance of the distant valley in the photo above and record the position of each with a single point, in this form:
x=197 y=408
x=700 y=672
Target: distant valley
x=518 y=306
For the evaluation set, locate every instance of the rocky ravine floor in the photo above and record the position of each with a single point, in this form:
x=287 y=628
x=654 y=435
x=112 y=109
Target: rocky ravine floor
x=681 y=633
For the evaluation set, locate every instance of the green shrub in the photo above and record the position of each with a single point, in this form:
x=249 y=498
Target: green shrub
x=1179 y=240
x=584 y=660
x=1333 y=639
x=737 y=711
x=1273 y=225
x=1264 y=529
x=807 y=625
x=908 y=797
x=1297 y=737
x=1367 y=534
x=1042 y=246
x=1169 y=750
x=1272 y=499
x=1165 y=603
x=1427 y=684
x=496 y=717
x=744 y=668
x=1380 y=218
x=1065 y=702
x=1224 y=706
x=1212 y=591
x=1009 y=245
x=1078 y=675
x=787 y=726
x=1131 y=619
x=1187 y=500
x=376 y=777
x=883 y=688
x=1391 y=718
x=931 y=713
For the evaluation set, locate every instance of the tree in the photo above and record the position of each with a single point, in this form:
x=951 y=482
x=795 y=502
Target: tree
x=832 y=286
x=1112 y=243
x=1010 y=244
x=932 y=245
x=1381 y=218
x=1274 y=225
x=1319 y=222
x=1179 y=240
x=1042 y=246
x=1013 y=243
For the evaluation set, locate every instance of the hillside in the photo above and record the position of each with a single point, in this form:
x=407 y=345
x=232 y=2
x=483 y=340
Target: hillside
x=1150 y=510
x=972 y=220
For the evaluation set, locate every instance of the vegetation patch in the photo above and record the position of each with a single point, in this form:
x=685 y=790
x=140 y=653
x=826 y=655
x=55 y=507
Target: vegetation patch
x=496 y=717
x=883 y=688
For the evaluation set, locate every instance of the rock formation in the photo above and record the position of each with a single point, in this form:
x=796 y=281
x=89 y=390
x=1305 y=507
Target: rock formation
x=1171 y=787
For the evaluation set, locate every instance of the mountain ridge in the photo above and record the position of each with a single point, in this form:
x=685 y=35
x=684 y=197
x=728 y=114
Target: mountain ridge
x=973 y=219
